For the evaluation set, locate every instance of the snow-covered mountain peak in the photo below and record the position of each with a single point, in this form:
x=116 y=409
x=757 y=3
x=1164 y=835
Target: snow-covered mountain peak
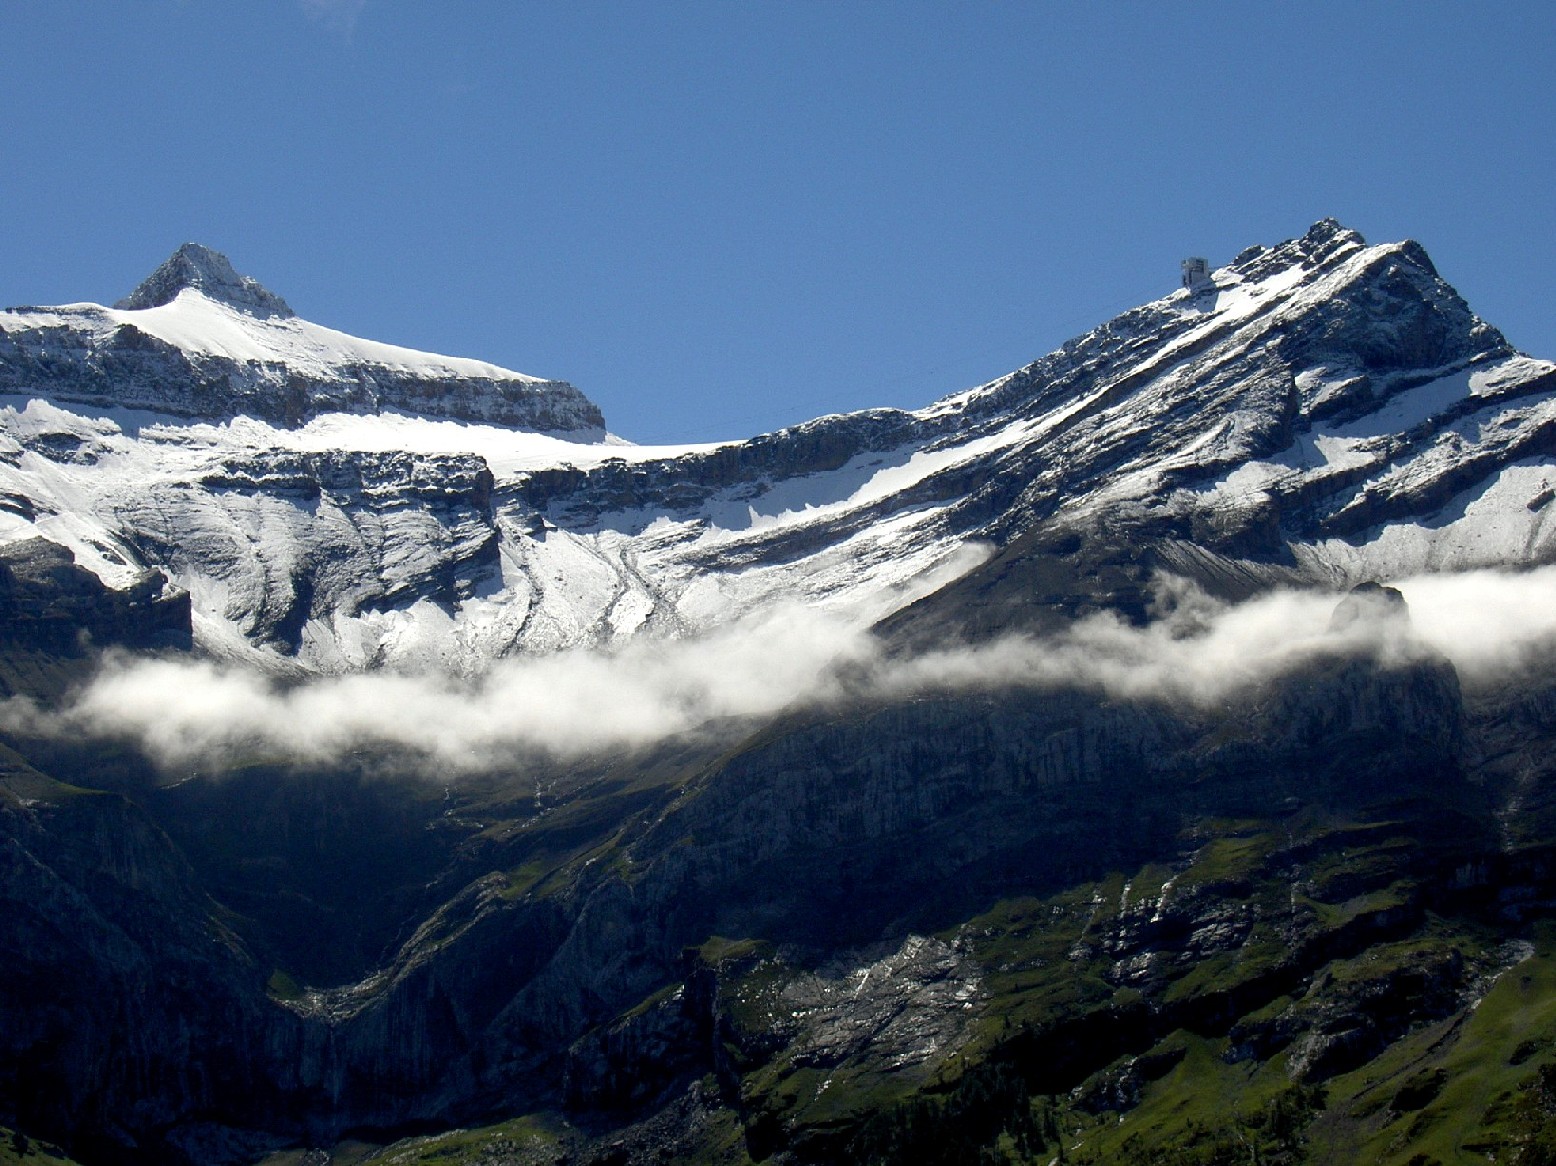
x=198 y=340
x=1354 y=322
x=196 y=267
x=1324 y=242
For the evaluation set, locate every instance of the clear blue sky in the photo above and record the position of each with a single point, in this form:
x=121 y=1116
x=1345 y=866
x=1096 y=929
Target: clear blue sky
x=719 y=218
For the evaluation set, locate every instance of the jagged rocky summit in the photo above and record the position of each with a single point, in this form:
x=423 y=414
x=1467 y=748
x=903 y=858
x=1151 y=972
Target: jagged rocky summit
x=198 y=340
x=196 y=268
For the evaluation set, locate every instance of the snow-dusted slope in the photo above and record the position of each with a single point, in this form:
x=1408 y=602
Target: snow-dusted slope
x=197 y=339
x=1326 y=407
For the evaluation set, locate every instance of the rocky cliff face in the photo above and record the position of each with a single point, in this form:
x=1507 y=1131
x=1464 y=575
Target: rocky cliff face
x=824 y=836
x=132 y=1011
x=51 y=604
x=1287 y=342
x=196 y=268
x=56 y=617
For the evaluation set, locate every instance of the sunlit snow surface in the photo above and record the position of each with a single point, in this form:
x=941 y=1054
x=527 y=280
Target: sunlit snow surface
x=389 y=571
x=197 y=324
x=128 y=470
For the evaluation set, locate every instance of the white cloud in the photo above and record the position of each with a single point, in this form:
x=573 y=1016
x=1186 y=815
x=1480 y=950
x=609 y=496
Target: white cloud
x=190 y=712
x=337 y=15
x=1491 y=624
x=1197 y=651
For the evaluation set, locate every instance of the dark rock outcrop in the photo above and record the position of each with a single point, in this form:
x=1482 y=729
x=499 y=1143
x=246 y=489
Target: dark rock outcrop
x=51 y=605
x=130 y=1013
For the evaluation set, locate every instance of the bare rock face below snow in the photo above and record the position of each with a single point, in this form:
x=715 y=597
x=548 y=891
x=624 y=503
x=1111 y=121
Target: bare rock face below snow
x=379 y=531
x=545 y=979
x=49 y=604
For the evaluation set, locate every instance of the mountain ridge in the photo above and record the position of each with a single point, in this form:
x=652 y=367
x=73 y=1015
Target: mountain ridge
x=1235 y=418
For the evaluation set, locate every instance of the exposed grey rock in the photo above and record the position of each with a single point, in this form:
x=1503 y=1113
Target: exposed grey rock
x=48 y=603
x=1348 y=1024
x=1087 y=472
x=198 y=268
x=909 y=1008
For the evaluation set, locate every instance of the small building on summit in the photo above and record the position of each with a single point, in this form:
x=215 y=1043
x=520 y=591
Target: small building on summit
x=1196 y=274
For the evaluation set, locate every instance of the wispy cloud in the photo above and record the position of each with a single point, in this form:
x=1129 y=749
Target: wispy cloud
x=1197 y=652
x=190 y=712
x=336 y=15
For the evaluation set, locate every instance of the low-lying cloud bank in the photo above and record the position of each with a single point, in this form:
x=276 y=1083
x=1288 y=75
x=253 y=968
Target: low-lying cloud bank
x=1197 y=651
